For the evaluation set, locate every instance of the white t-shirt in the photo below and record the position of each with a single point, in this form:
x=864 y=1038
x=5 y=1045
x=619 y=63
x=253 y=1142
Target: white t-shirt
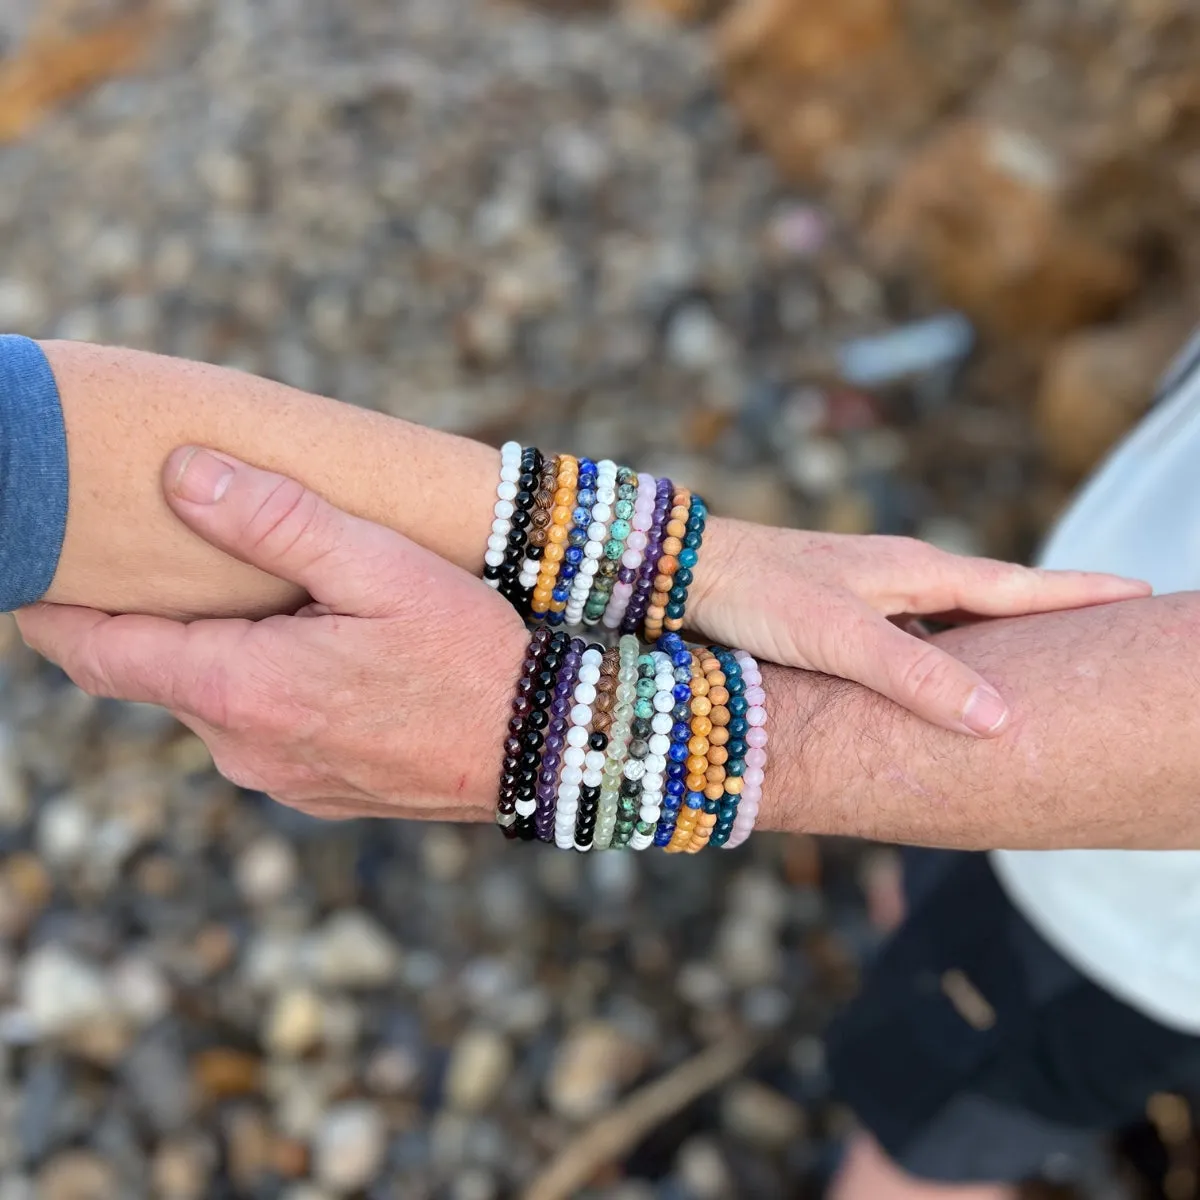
x=1130 y=920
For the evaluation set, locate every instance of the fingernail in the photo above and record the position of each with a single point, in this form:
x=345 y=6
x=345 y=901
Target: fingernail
x=986 y=711
x=202 y=478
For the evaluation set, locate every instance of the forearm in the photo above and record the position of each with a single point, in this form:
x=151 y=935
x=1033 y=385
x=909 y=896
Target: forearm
x=1102 y=750
x=125 y=411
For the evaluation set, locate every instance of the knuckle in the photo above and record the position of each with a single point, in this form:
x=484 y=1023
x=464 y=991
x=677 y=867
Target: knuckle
x=286 y=519
x=924 y=675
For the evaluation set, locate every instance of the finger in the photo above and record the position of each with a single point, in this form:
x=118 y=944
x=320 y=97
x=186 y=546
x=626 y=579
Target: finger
x=147 y=660
x=987 y=587
x=276 y=524
x=919 y=676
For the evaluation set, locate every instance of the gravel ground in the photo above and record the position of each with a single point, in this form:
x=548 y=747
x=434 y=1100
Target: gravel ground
x=504 y=223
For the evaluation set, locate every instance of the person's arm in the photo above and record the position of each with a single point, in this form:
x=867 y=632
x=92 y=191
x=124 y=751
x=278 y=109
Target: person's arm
x=398 y=701
x=1102 y=751
x=126 y=410
x=804 y=599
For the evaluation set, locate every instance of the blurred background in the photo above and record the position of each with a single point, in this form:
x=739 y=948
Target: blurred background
x=906 y=266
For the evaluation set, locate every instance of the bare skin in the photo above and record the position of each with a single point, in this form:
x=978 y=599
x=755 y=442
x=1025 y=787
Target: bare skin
x=802 y=599
x=334 y=712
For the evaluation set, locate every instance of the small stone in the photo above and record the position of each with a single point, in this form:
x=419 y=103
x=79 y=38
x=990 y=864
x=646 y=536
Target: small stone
x=747 y=952
x=392 y=1071
x=248 y=1148
x=818 y=466
x=17 y=1187
x=222 y=1074
x=140 y=990
x=695 y=340
x=474 y=1184
x=14 y=788
x=64 y=831
x=352 y=950
x=159 y=1083
x=78 y=1175
x=950 y=534
x=701 y=1168
x=445 y=853
x=295 y=1023
x=592 y=1065
x=23 y=305
x=305 y=1191
x=182 y=1168
x=349 y=1147
x=62 y=992
x=266 y=870
x=701 y=985
x=480 y=1065
x=760 y=1115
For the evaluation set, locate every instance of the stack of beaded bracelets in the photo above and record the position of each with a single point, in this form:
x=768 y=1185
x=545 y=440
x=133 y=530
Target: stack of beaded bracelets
x=576 y=542
x=626 y=748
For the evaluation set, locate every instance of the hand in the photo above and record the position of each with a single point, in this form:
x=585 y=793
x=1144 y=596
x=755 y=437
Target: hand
x=388 y=696
x=823 y=601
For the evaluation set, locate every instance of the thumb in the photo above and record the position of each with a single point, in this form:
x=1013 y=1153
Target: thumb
x=350 y=565
x=917 y=675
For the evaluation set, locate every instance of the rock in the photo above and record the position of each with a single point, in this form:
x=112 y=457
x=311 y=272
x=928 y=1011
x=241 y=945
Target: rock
x=762 y=1116
x=352 y=950
x=700 y=1167
x=593 y=1063
x=64 y=831
x=78 y=1175
x=349 y=1147
x=695 y=340
x=182 y=1168
x=818 y=466
x=829 y=88
x=701 y=985
x=985 y=210
x=248 y=1148
x=159 y=1083
x=1095 y=386
x=14 y=788
x=479 y=1067
x=951 y=534
x=223 y=1074
x=266 y=871
x=295 y=1023
x=139 y=989
x=747 y=952
x=474 y=1184
x=445 y=853
x=301 y=1093
x=392 y=1071
x=17 y=1187
x=62 y=992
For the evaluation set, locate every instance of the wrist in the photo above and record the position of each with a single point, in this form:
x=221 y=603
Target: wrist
x=711 y=570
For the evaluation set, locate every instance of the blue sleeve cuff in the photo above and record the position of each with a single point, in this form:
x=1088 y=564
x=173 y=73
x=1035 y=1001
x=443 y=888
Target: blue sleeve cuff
x=33 y=473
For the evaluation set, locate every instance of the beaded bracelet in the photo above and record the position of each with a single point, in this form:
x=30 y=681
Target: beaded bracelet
x=630 y=792
x=668 y=564
x=535 y=737
x=539 y=521
x=644 y=586
x=614 y=547
x=576 y=767
x=506 y=494
x=705 y=772
x=518 y=512
x=597 y=534
x=618 y=743
x=655 y=667
x=687 y=557
x=634 y=554
x=602 y=715
x=556 y=732
x=519 y=771
x=756 y=756
x=566 y=481
x=577 y=585
x=599 y=540
x=723 y=807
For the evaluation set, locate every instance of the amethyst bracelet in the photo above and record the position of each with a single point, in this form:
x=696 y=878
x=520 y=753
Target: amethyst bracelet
x=556 y=731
